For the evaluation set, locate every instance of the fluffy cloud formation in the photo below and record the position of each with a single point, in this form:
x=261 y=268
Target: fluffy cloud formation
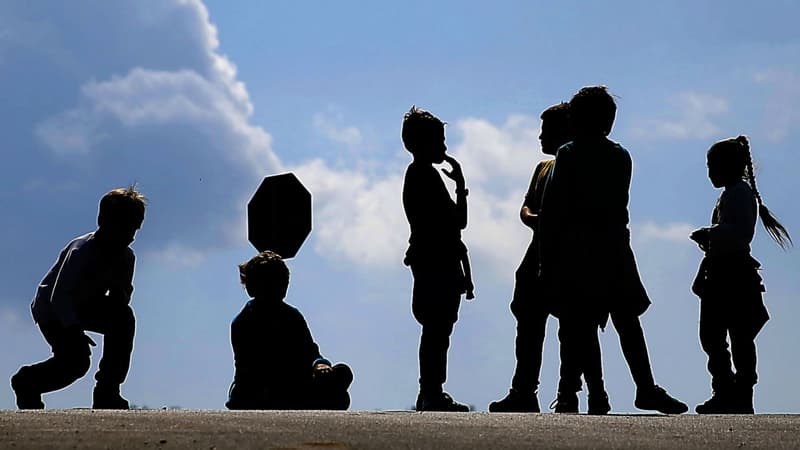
x=328 y=127
x=695 y=118
x=155 y=102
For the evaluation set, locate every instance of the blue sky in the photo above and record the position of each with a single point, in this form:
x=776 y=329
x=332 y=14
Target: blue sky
x=198 y=101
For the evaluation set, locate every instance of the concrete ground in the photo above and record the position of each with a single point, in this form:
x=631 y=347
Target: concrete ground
x=87 y=429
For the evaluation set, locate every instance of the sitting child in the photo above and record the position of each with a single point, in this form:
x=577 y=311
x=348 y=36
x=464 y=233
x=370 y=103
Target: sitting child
x=277 y=362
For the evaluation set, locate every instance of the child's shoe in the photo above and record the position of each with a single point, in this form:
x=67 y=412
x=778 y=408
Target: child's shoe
x=439 y=402
x=719 y=403
x=656 y=398
x=26 y=397
x=565 y=403
x=516 y=401
x=108 y=398
x=598 y=403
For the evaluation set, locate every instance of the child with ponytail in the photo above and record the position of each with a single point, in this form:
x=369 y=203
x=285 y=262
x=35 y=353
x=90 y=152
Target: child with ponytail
x=728 y=283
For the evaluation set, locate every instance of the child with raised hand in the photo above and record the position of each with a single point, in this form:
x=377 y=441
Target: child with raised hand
x=436 y=255
x=88 y=289
x=278 y=364
x=728 y=283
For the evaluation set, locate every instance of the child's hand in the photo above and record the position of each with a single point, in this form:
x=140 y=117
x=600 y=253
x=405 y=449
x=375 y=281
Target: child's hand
x=322 y=369
x=700 y=236
x=455 y=174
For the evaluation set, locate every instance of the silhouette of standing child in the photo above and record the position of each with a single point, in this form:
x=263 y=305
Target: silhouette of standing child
x=436 y=254
x=529 y=307
x=88 y=289
x=278 y=364
x=728 y=283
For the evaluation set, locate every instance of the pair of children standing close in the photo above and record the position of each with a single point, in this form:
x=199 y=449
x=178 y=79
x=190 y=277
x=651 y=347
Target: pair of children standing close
x=584 y=274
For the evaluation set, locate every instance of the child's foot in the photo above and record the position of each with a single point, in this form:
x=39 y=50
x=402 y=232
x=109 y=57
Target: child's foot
x=718 y=404
x=565 y=403
x=598 y=403
x=26 y=398
x=439 y=402
x=108 y=399
x=516 y=402
x=657 y=399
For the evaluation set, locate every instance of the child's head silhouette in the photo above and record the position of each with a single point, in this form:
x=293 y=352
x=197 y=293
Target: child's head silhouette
x=121 y=213
x=423 y=135
x=265 y=276
x=592 y=111
x=555 y=128
x=729 y=161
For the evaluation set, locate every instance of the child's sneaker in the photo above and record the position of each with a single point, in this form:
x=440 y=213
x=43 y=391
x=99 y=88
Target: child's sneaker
x=719 y=403
x=656 y=398
x=439 y=402
x=108 y=399
x=516 y=402
x=565 y=403
x=26 y=398
x=598 y=403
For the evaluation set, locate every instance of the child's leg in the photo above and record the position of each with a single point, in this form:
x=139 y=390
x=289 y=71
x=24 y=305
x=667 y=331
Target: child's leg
x=634 y=348
x=743 y=350
x=434 y=343
x=329 y=392
x=713 y=338
x=570 y=356
x=71 y=360
x=528 y=348
x=116 y=322
x=592 y=364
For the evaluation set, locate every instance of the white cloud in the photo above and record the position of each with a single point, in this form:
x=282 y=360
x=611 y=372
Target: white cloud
x=327 y=126
x=146 y=98
x=695 y=118
x=781 y=113
x=162 y=107
x=177 y=256
x=670 y=232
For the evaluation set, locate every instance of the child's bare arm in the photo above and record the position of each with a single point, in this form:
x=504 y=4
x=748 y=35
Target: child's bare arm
x=457 y=175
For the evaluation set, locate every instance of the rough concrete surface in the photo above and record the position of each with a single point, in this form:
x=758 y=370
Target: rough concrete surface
x=88 y=429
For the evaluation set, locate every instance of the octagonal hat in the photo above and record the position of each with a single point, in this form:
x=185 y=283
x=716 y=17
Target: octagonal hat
x=279 y=215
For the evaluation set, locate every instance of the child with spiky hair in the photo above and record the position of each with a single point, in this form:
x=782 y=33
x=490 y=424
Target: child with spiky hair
x=278 y=364
x=88 y=289
x=436 y=255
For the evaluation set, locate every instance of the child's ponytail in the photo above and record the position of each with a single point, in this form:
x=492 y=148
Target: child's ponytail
x=774 y=228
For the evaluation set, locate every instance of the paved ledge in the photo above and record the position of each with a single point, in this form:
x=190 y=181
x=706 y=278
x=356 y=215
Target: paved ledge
x=87 y=429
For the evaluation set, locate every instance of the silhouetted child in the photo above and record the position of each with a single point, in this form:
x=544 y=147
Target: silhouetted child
x=529 y=307
x=88 y=289
x=278 y=364
x=728 y=283
x=598 y=266
x=588 y=261
x=436 y=253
